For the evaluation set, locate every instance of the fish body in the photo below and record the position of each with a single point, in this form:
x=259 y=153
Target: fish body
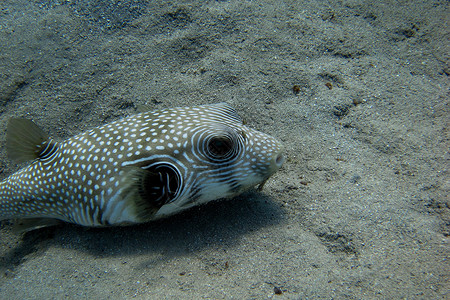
x=136 y=169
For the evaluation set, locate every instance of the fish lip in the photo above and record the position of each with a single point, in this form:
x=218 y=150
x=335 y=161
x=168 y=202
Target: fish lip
x=277 y=163
x=280 y=159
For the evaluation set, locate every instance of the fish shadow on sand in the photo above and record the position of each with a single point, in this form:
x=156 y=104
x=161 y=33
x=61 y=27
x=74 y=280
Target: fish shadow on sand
x=216 y=224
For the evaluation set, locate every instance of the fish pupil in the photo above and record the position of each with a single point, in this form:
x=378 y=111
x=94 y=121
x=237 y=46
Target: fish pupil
x=220 y=147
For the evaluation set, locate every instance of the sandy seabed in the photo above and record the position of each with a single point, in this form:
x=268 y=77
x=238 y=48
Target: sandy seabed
x=357 y=91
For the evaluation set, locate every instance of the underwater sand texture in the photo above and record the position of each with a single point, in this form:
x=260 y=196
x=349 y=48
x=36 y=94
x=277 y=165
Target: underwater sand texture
x=357 y=91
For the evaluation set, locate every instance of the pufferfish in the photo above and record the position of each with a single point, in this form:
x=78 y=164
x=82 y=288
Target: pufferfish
x=134 y=170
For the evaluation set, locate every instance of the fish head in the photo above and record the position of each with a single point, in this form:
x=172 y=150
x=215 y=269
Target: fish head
x=214 y=156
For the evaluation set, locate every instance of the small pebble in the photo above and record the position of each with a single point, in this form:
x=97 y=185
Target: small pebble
x=277 y=290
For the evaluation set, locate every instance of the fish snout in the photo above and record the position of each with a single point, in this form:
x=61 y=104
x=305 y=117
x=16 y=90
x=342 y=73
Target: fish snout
x=278 y=160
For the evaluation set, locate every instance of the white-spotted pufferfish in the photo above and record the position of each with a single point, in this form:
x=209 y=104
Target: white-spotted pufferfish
x=136 y=169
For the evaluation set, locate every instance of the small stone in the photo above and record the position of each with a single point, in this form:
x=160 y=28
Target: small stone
x=277 y=290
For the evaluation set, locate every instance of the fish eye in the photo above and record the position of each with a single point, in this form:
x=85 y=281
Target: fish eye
x=220 y=147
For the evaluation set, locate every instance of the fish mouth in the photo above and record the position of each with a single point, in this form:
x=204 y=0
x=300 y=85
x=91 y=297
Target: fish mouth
x=279 y=160
x=276 y=164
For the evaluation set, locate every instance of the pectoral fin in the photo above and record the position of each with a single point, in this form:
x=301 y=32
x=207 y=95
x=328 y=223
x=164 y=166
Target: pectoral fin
x=150 y=189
